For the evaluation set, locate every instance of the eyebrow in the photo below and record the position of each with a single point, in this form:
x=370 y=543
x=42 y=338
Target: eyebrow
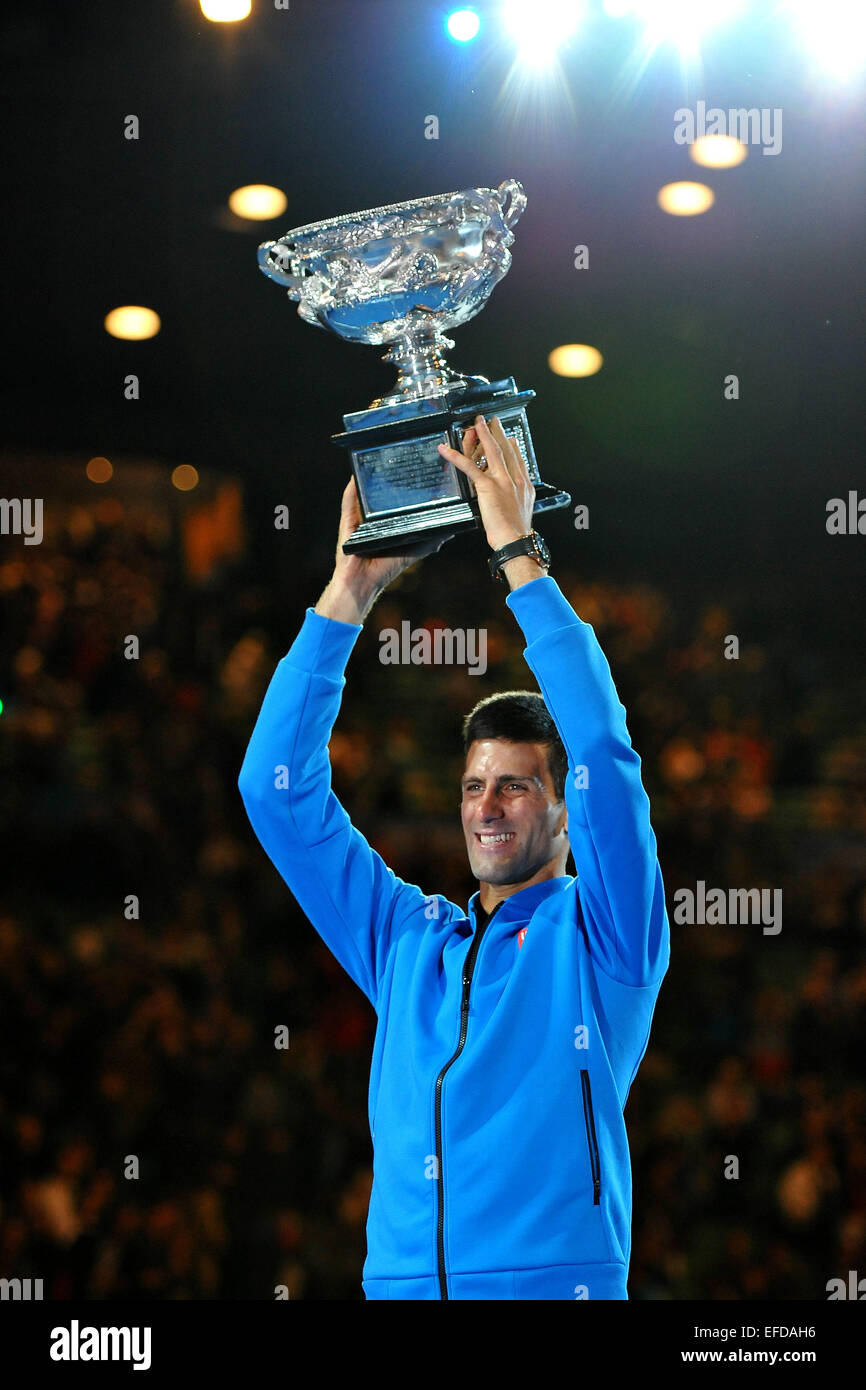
x=506 y=777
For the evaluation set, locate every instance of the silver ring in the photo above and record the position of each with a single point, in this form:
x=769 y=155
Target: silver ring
x=482 y=464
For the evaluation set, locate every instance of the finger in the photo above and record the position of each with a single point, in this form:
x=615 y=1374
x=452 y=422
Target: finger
x=350 y=511
x=509 y=444
x=349 y=500
x=474 y=450
x=490 y=444
x=470 y=441
x=506 y=445
x=461 y=461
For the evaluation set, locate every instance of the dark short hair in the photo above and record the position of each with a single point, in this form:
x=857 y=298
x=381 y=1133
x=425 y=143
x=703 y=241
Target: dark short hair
x=521 y=716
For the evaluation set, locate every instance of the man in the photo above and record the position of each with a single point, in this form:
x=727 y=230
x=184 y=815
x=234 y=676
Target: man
x=509 y=1035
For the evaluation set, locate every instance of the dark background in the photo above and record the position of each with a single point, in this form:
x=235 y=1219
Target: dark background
x=707 y=517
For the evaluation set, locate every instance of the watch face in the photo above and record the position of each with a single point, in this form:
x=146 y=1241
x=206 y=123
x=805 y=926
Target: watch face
x=542 y=548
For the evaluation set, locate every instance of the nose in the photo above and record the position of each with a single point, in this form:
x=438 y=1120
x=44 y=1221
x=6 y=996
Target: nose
x=489 y=807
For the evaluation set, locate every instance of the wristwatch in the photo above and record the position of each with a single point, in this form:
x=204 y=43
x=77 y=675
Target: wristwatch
x=531 y=544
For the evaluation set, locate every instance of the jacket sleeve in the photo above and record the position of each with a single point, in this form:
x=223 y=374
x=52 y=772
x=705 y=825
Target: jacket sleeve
x=342 y=885
x=619 y=878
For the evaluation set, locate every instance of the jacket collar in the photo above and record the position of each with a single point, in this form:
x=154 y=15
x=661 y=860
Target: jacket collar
x=520 y=906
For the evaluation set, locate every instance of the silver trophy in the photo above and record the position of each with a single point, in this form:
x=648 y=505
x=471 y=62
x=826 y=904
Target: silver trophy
x=402 y=275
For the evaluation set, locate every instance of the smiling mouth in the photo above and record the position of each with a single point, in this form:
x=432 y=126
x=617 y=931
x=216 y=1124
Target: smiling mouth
x=502 y=838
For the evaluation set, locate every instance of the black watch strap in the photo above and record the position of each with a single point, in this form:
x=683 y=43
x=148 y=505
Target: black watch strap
x=530 y=544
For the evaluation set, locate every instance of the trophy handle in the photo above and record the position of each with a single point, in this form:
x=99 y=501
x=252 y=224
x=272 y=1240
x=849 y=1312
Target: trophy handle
x=273 y=260
x=512 y=200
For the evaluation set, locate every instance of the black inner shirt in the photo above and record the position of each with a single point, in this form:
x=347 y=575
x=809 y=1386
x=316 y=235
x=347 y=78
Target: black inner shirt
x=482 y=917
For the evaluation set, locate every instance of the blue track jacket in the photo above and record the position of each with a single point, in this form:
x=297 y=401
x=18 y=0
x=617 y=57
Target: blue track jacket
x=503 y=1056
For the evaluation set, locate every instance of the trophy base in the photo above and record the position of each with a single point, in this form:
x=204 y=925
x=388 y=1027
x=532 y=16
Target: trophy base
x=407 y=491
x=393 y=536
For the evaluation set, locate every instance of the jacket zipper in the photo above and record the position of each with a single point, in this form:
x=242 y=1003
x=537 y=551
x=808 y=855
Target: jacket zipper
x=468 y=968
x=591 y=1139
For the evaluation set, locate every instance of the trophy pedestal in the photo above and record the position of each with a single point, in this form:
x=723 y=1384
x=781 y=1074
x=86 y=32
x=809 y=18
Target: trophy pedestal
x=407 y=491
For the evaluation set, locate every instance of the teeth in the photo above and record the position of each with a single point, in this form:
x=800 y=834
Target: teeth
x=496 y=839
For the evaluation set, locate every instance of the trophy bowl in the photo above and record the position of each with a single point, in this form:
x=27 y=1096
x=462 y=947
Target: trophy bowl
x=402 y=275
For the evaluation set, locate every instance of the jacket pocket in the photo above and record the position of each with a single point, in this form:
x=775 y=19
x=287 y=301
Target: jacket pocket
x=591 y=1138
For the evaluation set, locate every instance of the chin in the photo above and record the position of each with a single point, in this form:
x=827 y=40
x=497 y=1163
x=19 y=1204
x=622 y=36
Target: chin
x=497 y=873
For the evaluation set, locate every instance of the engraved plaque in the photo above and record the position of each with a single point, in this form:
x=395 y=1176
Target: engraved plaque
x=408 y=473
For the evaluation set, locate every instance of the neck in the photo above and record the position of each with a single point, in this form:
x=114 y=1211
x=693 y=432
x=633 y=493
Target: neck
x=491 y=894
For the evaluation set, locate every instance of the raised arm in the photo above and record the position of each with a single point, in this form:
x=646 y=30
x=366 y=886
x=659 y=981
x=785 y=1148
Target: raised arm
x=341 y=883
x=614 y=847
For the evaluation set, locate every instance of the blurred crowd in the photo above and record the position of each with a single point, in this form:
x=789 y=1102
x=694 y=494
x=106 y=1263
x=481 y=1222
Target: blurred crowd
x=156 y=1144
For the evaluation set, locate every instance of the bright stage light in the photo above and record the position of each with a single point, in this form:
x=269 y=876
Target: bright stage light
x=258 y=202
x=575 y=359
x=685 y=199
x=540 y=26
x=682 y=21
x=133 y=322
x=225 y=11
x=718 y=151
x=463 y=25
x=833 y=32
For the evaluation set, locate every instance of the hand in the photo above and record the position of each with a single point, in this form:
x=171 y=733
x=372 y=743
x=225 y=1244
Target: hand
x=505 y=491
x=359 y=579
x=376 y=571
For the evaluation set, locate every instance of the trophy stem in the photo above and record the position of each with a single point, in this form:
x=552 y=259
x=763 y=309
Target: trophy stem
x=422 y=369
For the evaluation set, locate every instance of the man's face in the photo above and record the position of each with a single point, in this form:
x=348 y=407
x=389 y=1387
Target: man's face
x=508 y=792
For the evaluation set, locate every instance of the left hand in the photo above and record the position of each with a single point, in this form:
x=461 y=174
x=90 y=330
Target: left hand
x=505 y=491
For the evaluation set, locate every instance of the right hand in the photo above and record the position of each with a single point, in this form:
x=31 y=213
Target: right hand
x=375 y=572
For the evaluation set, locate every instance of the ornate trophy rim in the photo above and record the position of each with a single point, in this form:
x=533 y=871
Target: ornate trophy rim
x=405 y=208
